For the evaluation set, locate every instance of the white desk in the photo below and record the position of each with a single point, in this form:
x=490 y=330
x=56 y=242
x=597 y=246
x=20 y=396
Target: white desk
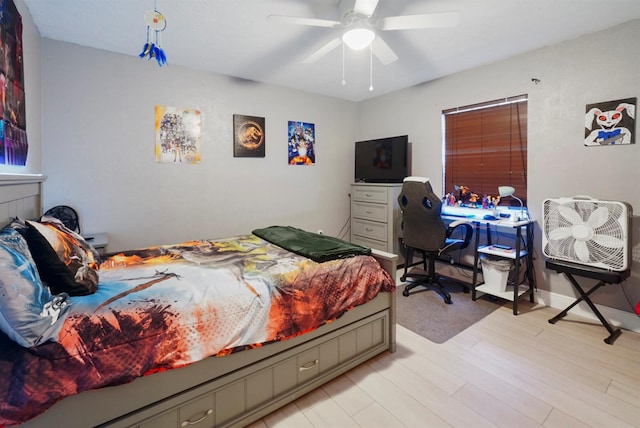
x=518 y=252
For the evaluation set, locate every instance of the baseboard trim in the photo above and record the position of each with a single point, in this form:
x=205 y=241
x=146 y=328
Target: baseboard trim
x=627 y=320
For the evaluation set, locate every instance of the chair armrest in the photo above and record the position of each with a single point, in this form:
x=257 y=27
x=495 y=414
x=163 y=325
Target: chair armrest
x=467 y=228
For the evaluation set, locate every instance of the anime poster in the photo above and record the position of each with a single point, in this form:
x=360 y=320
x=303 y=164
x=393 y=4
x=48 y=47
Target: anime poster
x=177 y=135
x=610 y=123
x=13 y=135
x=302 y=138
x=248 y=136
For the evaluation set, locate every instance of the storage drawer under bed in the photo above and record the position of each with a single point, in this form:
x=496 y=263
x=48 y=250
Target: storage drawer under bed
x=266 y=385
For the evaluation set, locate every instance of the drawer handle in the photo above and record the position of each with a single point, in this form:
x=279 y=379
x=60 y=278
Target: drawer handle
x=197 y=421
x=369 y=212
x=369 y=195
x=368 y=229
x=309 y=365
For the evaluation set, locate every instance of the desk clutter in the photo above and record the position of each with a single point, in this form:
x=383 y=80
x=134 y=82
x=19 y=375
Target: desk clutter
x=503 y=214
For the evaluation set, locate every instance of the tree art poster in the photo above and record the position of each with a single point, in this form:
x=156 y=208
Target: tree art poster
x=177 y=135
x=302 y=138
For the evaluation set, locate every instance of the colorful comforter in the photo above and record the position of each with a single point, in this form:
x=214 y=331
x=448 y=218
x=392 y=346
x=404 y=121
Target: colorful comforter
x=166 y=307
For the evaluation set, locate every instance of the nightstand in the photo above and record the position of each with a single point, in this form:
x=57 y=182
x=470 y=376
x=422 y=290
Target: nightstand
x=99 y=241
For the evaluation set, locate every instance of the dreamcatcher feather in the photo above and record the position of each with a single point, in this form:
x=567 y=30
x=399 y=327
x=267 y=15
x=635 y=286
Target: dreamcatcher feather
x=156 y=23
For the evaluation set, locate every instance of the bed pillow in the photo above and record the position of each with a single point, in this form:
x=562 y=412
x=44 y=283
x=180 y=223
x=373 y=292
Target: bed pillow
x=78 y=273
x=53 y=271
x=29 y=313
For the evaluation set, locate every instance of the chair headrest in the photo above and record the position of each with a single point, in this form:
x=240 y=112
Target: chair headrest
x=416 y=178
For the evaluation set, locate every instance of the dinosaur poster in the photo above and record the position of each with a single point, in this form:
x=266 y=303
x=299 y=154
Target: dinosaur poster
x=248 y=136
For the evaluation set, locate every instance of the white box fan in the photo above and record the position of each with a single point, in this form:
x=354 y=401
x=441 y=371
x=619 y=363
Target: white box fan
x=586 y=231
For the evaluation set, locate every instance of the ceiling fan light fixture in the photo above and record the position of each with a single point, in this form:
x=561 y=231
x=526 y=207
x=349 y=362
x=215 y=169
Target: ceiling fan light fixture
x=358 y=38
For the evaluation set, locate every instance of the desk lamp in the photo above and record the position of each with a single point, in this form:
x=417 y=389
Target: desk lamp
x=505 y=191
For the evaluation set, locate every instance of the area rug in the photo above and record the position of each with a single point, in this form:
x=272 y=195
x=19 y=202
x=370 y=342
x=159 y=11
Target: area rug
x=425 y=313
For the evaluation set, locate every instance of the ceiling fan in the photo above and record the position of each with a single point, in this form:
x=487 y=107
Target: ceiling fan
x=359 y=24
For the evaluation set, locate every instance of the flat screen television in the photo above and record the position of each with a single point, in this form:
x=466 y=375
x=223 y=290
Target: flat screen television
x=383 y=160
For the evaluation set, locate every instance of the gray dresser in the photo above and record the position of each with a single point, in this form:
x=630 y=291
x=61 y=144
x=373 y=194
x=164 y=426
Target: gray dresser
x=376 y=217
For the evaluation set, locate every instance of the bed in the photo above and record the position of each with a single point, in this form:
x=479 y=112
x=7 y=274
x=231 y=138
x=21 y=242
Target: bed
x=231 y=377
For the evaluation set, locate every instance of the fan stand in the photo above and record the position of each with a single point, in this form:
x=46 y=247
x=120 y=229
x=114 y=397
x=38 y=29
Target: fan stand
x=604 y=276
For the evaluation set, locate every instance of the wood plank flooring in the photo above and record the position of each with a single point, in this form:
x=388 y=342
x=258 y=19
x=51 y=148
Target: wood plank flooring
x=504 y=371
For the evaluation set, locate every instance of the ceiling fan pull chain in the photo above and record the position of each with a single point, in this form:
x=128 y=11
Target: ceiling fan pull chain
x=371 y=67
x=344 y=81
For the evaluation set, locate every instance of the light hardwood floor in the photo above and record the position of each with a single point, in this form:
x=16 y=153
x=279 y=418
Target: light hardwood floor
x=504 y=371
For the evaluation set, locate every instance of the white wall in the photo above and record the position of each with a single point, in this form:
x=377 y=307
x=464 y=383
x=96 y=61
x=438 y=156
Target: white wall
x=600 y=67
x=98 y=151
x=96 y=141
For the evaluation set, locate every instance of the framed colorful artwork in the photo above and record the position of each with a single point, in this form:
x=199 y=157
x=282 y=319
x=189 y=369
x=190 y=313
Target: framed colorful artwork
x=177 y=133
x=301 y=143
x=248 y=136
x=14 y=146
x=610 y=123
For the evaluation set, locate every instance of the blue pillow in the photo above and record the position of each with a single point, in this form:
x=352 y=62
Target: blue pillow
x=29 y=313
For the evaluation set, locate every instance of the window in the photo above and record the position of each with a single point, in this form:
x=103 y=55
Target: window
x=485 y=146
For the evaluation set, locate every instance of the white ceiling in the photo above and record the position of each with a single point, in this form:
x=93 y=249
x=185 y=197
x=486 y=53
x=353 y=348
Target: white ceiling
x=234 y=37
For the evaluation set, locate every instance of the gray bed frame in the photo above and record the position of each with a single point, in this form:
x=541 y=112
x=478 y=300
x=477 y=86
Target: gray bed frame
x=234 y=390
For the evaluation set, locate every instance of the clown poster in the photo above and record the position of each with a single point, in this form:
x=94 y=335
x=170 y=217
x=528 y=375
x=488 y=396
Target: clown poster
x=610 y=123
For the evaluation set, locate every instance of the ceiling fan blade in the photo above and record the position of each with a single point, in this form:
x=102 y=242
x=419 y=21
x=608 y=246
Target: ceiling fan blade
x=382 y=51
x=365 y=7
x=323 y=51
x=303 y=21
x=427 y=20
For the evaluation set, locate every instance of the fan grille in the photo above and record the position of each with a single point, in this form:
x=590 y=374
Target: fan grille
x=593 y=233
x=67 y=215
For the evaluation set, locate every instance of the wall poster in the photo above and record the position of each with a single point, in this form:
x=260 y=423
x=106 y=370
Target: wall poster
x=610 y=123
x=302 y=136
x=177 y=133
x=248 y=136
x=13 y=126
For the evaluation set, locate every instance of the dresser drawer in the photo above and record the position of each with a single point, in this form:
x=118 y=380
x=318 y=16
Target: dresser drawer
x=369 y=194
x=375 y=212
x=256 y=389
x=196 y=412
x=370 y=229
x=370 y=243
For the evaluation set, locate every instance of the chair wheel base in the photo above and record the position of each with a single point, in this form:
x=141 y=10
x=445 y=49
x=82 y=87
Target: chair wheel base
x=447 y=300
x=405 y=292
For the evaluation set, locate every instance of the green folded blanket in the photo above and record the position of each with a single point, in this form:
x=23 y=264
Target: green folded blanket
x=319 y=248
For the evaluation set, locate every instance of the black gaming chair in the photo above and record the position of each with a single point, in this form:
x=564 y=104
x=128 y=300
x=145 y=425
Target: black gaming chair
x=423 y=230
x=67 y=215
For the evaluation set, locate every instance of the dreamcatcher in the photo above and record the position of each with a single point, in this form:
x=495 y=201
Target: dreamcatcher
x=153 y=48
